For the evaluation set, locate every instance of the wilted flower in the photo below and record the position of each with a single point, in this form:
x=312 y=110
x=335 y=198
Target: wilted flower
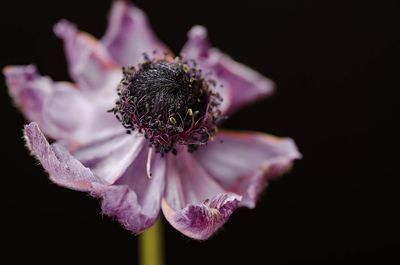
x=168 y=154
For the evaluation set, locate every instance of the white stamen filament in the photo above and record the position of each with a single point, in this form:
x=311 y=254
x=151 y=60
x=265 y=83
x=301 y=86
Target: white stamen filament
x=148 y=164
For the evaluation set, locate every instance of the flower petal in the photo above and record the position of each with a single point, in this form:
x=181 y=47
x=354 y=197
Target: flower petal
x=194 y=203
x=90 y=65
x=63 y=169
x=62 y=111
x=129 y=34
x=66 y=111
x=135 y=199
x=28 y=89
x=241 y=84
x=200 y=221
x=54 y=105
x=108 y=158
x=244 y=162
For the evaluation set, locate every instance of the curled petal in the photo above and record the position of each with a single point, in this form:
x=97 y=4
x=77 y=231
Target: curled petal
x=243 y=162
x=89 y=62
x=241 y=85
x=193 y=202
x=200 y=221
x=134 y=199
x=63 y=169
x=28 y=89
x=109 y=157
x=129 y=34
x=62 y=111
x=54 y=105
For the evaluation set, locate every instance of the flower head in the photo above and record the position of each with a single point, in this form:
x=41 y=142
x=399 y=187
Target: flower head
x=164 y=150
x=169 y=102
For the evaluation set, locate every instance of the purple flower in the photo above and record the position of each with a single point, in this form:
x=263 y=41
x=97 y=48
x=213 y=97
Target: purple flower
x=172 y=158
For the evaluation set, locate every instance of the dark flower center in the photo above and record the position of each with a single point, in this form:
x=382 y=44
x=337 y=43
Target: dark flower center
x=170 y=102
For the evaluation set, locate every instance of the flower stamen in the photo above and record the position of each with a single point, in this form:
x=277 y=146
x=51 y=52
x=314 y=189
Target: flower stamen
x=148 y=163
x=154 y=97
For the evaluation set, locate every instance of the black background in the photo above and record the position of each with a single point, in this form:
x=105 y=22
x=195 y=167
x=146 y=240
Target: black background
x=337 y=68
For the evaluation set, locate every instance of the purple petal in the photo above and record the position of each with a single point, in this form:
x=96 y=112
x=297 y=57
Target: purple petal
x=134 y=199
x=243 y=162
x=241 y=85
x=63 y=169
x=67 y=111
x=62 y=111
x=56 y=106
x=108 y=158
x=194 y=203
x=90 y=65
x=28 y=89
x=129 y=35
x=200 y=221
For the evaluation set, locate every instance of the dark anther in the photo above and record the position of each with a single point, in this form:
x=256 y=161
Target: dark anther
x=170 y=102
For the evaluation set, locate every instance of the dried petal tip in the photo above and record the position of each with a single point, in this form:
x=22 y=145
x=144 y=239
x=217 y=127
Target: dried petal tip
x=170 y=102
x=200 y=221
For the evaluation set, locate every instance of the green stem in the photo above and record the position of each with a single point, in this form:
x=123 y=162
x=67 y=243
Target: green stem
x=151 y=248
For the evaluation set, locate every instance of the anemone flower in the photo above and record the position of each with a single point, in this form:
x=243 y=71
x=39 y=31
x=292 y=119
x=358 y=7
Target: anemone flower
x=144 y=139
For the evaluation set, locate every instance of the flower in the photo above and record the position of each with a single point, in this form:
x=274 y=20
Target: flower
x=172 y=158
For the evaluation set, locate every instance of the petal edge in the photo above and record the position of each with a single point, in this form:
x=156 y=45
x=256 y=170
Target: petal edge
x=201 y=221
x=134 y=199
x=129 y=34
x=241 y=84
x=243 y=162
x=89 y=63
x=63 y=168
